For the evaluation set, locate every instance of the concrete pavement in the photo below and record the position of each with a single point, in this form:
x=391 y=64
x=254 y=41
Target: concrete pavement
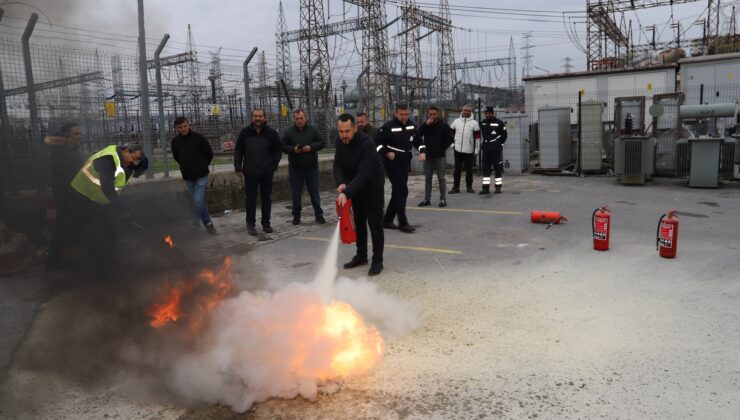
x=517 y=321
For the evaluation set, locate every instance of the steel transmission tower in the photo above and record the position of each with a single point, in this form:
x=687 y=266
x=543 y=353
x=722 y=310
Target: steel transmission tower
x=314 y=51
x=527 y=56
x=193 y=73
x=713 y=8
x=411 y=71
x=284 y=66
x=446 y=77
x=374 y=86
x=513 y=82
x=263 y=86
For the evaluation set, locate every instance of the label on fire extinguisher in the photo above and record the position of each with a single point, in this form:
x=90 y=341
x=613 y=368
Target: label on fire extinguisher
x=666 y=235
x=601 y=224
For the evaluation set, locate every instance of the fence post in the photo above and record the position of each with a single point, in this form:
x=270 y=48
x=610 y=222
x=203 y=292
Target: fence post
x=35 y=133
x=144 y=86
x=5 y=127
x=247 y=95
x=160 y=99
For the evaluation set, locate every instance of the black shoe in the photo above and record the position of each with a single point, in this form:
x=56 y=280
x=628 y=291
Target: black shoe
x=455 y=190
x=320 y=220
x=486 y=190
x=406 y=229
x=267 y=229
x=498 y=189
x=210 y=228
x=390 y=225
x=425 y=203
x=296 y=220
x=443 y=203
x=471 y=190
x=355 y=262
x=375 y=268
x=252 y=230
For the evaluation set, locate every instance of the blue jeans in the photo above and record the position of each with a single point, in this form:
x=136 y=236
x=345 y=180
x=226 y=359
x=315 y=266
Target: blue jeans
x=252 y=186
x=311 y=178
x=197 y=188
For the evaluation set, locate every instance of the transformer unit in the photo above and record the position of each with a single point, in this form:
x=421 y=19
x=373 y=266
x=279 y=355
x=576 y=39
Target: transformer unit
x=554 y=137
x=634 y=158
x=516 y=148
x=592 y=135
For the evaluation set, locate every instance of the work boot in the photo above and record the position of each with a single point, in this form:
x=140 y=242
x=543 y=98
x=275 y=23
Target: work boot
x=425 y=203
x=390 y=225
x=267 y=229
x=498 y=189
x=486 y=190
x=471 y=190
x=455 y=190
x=355 y=262
x=296 y=220
x=252 y=230
x=320 y=219
x=407 y=229
x=442 y=203
x=210 y=228
x=375 y=268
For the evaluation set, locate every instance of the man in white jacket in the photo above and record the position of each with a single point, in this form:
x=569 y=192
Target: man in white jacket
x=467 y=134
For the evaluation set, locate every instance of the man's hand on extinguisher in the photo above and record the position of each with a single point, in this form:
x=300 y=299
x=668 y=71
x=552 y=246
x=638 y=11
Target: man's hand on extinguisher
x=342 y=199
x=341 y=188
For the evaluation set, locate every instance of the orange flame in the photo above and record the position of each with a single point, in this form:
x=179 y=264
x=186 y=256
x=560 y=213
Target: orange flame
x=168 y=240
x=359 y=346
x=192 y=299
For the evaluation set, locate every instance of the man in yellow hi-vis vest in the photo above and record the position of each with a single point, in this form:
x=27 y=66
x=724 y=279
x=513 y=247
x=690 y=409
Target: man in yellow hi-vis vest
x=99 y=180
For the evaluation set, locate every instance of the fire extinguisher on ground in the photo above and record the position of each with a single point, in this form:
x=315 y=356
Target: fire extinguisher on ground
x=667 y=236
x=600 y=221
x=347 y=230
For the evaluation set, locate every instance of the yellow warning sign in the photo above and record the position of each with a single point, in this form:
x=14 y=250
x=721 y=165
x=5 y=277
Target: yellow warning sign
x=730 y=75
x=214 y=110
x=650 y=86
x=283 y=110
x=110 y=109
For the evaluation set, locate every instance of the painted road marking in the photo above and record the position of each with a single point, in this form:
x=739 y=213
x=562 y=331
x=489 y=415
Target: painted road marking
x=466 y=210
x=408 y=248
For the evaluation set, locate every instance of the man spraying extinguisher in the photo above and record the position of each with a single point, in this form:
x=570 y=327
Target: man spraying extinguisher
x=359 y=176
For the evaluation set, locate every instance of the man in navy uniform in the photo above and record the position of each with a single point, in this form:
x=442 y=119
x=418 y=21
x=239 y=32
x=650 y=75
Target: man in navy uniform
x=494 y=136
x=394 y=142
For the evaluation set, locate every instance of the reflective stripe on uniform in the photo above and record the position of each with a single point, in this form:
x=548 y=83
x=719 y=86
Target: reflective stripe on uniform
x=410 y=127
x=486 y=180
x=396 y=129
x=377 y=149
x=397 y=150
x=498 y=181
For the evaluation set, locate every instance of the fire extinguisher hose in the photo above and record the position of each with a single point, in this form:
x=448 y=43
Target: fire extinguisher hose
x=657 y=234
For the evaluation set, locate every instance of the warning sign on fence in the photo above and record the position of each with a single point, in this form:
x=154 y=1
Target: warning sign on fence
x=110 y=109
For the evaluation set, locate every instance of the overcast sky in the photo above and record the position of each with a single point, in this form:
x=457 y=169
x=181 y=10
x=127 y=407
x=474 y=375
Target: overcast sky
x=482 y=29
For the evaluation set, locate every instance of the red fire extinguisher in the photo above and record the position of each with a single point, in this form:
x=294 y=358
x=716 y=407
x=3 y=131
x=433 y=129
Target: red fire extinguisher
x=600 y=221
x=346 y=217
x=544 y=216
x=667 y=237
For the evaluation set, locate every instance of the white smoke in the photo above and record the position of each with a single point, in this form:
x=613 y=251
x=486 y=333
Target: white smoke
x=259 y=347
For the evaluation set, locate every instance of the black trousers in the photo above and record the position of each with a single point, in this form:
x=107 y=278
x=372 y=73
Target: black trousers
x=368 y=210
x=493 y=159
x=397 y=171
x=101 y=231
x=466 y=160
x=252 y=184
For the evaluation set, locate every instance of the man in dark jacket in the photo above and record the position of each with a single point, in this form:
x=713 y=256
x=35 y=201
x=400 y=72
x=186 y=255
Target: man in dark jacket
x=256 y=156
x=494 y=136
x=394 y=142
x=437 y=137
x=193 y=153
x=364 y=125
x=301 y=142
x=65 y=158
x=358 y=173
